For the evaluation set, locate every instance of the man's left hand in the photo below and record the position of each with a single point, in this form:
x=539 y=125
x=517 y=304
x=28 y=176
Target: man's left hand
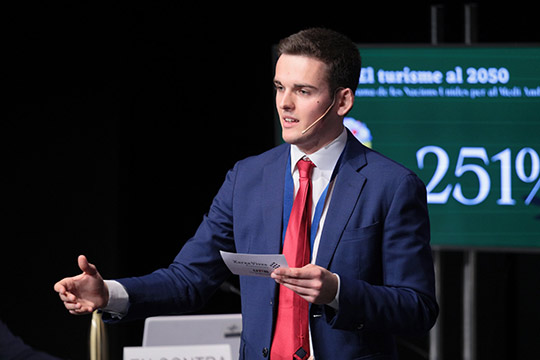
x=313 y=283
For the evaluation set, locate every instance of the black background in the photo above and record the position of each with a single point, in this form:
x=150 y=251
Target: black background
x=120 y=120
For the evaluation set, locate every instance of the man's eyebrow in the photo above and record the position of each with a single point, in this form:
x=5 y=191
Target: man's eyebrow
x=277 y=82
x=305 y=86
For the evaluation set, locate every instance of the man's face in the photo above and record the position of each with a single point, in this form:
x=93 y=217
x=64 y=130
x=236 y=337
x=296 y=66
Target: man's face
x=302 y=96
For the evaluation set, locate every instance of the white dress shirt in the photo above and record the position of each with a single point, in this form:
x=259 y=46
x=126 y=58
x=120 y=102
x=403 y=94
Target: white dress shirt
x=325 y=160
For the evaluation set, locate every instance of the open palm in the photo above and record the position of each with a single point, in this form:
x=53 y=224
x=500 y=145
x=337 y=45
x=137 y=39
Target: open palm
x=84 y=293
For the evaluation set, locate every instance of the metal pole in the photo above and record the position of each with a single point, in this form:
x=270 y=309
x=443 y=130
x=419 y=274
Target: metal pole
x=471 y=24
x=469 y=262
x=437 y=25
x=469 y=305
x=435 y=335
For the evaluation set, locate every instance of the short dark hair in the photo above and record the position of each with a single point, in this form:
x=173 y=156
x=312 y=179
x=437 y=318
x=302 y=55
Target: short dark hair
x=332 y=48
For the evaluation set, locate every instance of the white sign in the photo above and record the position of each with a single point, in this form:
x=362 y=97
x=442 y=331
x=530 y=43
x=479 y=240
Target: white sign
x=253 y=265
x=192 y=352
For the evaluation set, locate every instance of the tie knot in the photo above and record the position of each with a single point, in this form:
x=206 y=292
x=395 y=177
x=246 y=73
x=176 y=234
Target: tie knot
x=304 y=168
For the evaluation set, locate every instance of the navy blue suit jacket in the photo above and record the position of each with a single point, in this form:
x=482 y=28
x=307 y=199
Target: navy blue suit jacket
x=376 y=237
x=14 y=348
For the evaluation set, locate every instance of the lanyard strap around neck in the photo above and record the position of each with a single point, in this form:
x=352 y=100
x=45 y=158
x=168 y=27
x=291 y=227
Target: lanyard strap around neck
x=288 y=199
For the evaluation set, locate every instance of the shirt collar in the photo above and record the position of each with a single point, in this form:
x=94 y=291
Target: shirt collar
x=325 y=158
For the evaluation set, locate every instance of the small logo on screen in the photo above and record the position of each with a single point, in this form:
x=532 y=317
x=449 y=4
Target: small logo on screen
x=359 y=130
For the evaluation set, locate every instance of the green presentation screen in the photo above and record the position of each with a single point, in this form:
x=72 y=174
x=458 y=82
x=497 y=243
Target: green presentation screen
x=467 y=121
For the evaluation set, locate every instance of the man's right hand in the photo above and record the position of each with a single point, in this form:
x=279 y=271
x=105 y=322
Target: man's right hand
x=84 y=293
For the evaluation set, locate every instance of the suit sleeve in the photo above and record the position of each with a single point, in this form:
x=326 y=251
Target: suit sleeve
x=13 y=347
x=405 y=301
x=196 y=272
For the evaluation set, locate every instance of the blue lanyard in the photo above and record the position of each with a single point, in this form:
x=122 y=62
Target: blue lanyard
x=288 y=199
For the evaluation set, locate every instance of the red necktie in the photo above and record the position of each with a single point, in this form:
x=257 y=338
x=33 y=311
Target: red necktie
x=291 y=336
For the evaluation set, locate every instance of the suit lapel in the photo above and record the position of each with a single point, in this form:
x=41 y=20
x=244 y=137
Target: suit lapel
x=347 y=188
x=272 y=197
x=272 y=204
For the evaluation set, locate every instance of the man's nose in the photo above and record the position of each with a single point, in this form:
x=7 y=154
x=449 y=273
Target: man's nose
x=285 y=101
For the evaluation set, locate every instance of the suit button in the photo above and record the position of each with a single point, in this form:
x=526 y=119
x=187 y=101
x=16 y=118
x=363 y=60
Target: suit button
x=360 y=327
x=265 y=352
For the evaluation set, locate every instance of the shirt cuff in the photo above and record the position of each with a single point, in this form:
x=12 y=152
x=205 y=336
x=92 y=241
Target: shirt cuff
x=335 y=303
x=118 y=300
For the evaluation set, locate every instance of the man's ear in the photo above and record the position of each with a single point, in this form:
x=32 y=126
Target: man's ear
x=345 y=101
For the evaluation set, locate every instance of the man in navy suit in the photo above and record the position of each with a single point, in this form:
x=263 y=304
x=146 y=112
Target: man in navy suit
x=371 y=271
x=14 y=348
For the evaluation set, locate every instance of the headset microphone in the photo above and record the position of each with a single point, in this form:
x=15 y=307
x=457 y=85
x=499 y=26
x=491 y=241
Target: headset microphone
x=321 y=117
